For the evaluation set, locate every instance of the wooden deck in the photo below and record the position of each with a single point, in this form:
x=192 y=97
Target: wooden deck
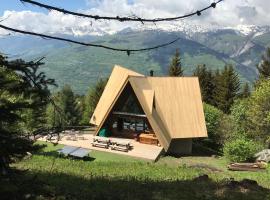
x=143 y=151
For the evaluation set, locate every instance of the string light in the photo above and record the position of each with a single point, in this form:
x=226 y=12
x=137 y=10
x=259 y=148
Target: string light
x=128 y=51
x=118 y=18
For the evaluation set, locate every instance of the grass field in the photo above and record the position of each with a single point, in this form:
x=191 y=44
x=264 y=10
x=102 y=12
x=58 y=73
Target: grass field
x=111 y=176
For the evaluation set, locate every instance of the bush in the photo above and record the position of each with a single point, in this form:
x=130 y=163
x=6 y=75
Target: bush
x=213 y=118
x=217 y=124
x=258 y=113
x=240 y=150
x=239 y=116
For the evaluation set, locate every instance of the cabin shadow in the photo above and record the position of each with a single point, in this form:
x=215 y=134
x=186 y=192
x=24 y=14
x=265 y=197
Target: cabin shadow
x=55 y=185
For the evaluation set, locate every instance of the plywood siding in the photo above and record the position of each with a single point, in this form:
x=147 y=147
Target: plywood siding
x=161 y=132
x=149 y=98
x=178 y=104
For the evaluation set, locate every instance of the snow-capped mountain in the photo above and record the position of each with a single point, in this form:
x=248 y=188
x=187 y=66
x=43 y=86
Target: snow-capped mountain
x=186 y=27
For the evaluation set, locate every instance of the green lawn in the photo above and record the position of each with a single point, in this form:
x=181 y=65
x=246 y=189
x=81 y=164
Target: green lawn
x=112 y=176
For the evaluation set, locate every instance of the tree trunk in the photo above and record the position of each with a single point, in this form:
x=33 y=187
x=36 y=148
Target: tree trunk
x=3 y=166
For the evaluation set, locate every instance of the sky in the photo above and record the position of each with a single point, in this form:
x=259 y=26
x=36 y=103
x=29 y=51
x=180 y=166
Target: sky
x=230 y=13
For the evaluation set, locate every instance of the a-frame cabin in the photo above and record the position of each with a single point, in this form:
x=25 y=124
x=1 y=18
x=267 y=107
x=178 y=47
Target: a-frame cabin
x=164 y=111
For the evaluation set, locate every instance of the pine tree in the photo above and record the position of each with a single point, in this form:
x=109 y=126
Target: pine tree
x=20 y=84
x=92 y=98
x=264 y=66
x=245 y=91
x=70 y=114
x=207 y=83
x=175 y=68
x=227 y=88
x=69 y=105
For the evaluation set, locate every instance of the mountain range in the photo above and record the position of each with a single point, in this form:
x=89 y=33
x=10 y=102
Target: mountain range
x=81 y=66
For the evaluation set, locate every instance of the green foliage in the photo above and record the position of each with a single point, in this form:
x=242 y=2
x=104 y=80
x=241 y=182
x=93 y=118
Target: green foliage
x=92 y=98
x=227 y=88
x=69 y=112
x=69 y=106
x=245 y=91
x=264 y=66
x=218 y=127
x=239 y=116
x=258 y=114
x=213 y=118
x=175 y=68
x=207 y=83
x=240 y=150
x=23 y=90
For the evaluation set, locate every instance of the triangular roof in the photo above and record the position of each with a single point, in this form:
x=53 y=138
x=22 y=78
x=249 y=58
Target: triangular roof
x=173 y=105
x=112 y=90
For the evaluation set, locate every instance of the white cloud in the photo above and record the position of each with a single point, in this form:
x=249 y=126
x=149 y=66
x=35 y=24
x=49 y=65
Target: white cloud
x=228 y=13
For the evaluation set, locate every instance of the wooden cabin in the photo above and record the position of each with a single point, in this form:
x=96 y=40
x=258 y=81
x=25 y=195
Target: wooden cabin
x=163 y=111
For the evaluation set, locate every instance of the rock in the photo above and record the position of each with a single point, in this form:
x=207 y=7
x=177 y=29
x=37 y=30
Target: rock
x=264 y=155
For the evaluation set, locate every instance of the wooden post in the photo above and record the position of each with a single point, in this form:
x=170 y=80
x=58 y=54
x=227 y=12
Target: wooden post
x=120 y=124
x=143 y=125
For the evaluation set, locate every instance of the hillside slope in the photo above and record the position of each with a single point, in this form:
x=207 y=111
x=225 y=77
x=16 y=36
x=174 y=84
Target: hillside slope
x=81 y=66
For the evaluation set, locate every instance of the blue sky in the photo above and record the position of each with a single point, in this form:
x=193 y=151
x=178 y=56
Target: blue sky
x=16 y=5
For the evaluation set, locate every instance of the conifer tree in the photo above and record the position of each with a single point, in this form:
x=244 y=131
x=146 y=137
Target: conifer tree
x=207 y=83
x=69 y=105
x=264 y=66
x=70 y=109
x=175 y=68
x=245 y=91
x=227 y=88
x=92 y=98
x=20 y=85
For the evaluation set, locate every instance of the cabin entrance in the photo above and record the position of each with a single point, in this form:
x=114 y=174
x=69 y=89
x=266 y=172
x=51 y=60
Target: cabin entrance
x=128 y=120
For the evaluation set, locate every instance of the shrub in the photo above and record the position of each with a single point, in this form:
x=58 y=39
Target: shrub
x=240 y=149
x=213 y=118
x=258 y=113
x=218 y=127
x=239 y=115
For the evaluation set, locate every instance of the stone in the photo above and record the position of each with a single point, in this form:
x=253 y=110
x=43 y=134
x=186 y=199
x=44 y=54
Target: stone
x=264 y=155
